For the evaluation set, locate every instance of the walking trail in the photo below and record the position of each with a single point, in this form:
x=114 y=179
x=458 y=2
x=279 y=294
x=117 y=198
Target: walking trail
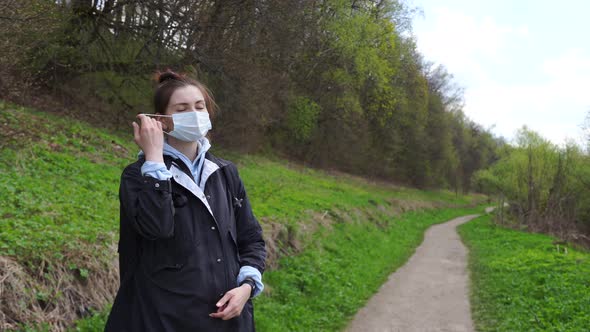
x=429 y=293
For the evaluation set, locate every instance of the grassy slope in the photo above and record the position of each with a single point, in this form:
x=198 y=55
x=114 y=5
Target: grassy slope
x=521 y=282
x=62 y=177
x=60 y=186
x=321 y=289
x=59 y=203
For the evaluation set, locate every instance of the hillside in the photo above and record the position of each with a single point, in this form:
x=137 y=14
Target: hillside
x=59 y=215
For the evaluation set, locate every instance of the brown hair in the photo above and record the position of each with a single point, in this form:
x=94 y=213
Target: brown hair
x=169 y=81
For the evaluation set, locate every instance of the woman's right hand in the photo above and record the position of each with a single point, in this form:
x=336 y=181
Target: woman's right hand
x=149 y=137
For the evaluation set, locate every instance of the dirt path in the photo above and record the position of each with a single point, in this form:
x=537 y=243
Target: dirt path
x=429 y=293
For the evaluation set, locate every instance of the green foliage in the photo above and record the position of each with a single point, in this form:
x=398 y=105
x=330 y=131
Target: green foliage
x=363 y=44
x=96 y=322
x=28 y=26
x=366 y=101
x=543 y=182
x=302 y=118
x=132 y=92
x=523 y=282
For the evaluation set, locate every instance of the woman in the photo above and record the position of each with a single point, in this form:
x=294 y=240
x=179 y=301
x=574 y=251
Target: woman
x=191 y=253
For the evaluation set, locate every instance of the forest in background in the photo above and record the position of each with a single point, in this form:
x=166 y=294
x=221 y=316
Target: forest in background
x=335 y=84
x=332 y=84
x=545 y=187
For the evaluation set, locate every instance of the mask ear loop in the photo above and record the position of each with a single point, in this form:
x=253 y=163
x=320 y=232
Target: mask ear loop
x=161 y=116
x=156 y=115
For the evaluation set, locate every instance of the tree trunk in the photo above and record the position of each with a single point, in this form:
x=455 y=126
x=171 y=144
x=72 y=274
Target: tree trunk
x=531 y=188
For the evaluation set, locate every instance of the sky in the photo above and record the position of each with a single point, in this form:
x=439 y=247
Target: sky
x=520 y=62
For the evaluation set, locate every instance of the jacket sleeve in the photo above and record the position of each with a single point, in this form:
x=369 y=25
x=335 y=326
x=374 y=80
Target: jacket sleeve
x=146 y=202
x=251 y=244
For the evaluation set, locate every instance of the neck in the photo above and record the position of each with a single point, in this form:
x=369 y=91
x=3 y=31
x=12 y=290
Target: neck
x=189 y=149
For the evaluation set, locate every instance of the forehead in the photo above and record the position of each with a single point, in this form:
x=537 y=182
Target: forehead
x=188 y=94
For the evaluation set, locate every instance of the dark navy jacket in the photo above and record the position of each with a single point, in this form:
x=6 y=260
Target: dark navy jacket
x=179 y=253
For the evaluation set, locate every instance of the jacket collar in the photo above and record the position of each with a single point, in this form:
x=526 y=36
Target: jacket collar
x=218 y=161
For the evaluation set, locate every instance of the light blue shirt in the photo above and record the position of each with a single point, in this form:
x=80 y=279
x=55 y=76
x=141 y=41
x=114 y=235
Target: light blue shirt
x=159 y=171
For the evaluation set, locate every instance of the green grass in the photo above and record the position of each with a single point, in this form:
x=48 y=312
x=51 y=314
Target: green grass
x=61 y=178
x=59 y=208
x=278 y=191
x=59 y=188
x=322 y=288
x=521 y=282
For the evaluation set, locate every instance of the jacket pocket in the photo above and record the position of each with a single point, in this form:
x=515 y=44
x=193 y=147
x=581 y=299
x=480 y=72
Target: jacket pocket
x=164 y=258
x=170 y=266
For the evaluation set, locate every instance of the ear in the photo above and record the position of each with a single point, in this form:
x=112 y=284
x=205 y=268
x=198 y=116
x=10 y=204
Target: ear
x=167 y=123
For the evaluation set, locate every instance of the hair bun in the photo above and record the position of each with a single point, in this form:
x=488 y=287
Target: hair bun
x=162 y=77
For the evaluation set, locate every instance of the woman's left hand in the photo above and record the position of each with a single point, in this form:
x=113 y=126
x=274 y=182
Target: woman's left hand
x=232 y=303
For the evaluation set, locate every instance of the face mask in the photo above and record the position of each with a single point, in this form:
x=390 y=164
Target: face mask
x=189 y=126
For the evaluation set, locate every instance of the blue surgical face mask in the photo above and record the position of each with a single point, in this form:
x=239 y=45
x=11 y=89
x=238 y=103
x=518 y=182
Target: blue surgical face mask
x=188 y=126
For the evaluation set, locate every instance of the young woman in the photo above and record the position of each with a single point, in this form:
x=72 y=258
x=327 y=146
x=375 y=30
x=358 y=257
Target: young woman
x=191 y=253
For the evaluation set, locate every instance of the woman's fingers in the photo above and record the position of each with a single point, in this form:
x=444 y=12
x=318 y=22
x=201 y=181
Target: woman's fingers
x=224 y=300
x=227 y=313
x=149 y=126
x=149 y=137
x=145 y=122
x=231 y=310
x=232 y=303
x=222 y=307
x=135 y=132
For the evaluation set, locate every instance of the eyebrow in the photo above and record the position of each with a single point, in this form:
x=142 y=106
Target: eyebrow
x=198 y=101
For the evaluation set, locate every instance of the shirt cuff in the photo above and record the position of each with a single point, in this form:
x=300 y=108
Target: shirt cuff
x=251 y=272
x=156 y=170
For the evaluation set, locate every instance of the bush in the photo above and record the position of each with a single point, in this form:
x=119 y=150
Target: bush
x=302 y=118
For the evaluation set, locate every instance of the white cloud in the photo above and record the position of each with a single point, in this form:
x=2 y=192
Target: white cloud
x=462 y=42
x=554 y=107
x=522 y=31
x=570 y=73
x=553 y=103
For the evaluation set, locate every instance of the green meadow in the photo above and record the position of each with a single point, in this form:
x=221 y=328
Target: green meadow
x=322 y=288
x=340 y=235
x=525 y=282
